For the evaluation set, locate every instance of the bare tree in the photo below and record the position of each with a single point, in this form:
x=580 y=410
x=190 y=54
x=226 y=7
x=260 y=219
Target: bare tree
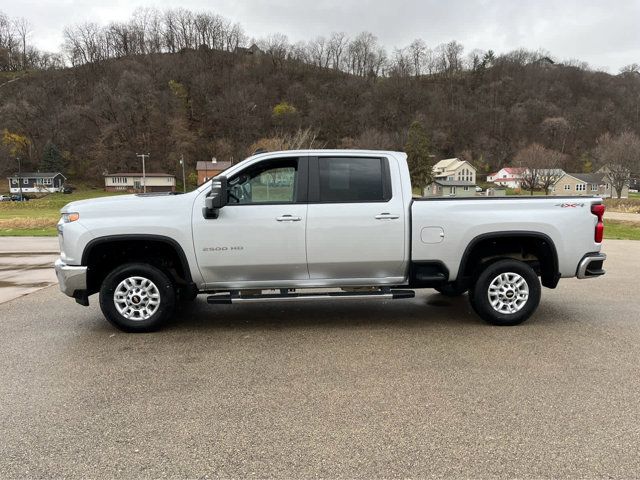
x=234 y=37
x=120 y=39
x=85 y=43
x=301 y=138
x=401 y=63
x=620 y=157
x=170 y=34
x=631 y=68
x=203 y=24
x=556 y=130
x=23 y=27
x=364 y=56
x=418 y=54
x=319 y=52
x=8 y=43
x=449 y=57
x=154 y=31
x=336 y=47
x=185 y=28
x=299 y=52
x=474 y=59
x=542 y=167
x=277 y=46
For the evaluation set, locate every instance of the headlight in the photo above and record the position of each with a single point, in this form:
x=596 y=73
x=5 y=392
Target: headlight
x=70 y=217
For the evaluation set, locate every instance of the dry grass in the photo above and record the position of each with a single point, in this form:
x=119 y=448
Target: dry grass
x=28 y=223
x=624 y=205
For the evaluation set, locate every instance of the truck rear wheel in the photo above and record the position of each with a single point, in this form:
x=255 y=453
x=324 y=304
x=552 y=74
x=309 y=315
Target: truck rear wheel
x=507 y=292
x=137 y=297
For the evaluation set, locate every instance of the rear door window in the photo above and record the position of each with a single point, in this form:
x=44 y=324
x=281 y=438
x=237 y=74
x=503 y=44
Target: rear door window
x=355 y=179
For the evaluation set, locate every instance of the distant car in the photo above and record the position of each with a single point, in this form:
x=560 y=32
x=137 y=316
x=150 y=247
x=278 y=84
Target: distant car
x=19 y=198
x=68 y=189
x=5 y=198
x=478 y=189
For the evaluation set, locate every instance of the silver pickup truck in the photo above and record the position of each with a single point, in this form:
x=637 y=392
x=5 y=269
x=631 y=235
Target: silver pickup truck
x=321 y=225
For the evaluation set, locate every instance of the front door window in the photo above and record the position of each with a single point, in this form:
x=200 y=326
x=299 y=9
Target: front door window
x=267 y=182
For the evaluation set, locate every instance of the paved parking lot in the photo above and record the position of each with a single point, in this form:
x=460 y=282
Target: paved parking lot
x=411 y=388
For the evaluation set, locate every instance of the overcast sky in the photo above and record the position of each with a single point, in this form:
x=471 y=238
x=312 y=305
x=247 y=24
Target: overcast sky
x=606 y=34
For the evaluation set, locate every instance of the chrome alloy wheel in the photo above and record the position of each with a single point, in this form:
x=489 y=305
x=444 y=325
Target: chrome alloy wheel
x=136 y=298
x=508 y=293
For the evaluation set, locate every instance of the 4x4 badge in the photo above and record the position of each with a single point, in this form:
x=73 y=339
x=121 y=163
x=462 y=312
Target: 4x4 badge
x=569 y=205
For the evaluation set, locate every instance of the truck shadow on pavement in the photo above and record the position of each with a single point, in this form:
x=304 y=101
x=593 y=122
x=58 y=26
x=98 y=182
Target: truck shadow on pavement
x=424 y=309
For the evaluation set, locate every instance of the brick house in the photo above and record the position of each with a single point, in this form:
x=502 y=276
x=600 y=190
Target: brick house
x=208 y=170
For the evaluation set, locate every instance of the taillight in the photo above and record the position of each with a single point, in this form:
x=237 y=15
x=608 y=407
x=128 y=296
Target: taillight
x=598 y=210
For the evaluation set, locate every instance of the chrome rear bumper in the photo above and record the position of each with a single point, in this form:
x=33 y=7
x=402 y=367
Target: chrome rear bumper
x=71 y=278
x=591 y=265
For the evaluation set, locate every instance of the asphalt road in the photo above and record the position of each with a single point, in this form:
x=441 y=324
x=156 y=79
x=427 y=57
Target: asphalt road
x=407 y=388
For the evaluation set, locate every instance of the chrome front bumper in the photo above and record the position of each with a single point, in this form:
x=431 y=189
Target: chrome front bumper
x=591 y=265
x=71 y=278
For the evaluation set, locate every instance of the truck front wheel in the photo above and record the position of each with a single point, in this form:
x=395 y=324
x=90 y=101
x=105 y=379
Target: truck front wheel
x=137 y=297
x=507 y=292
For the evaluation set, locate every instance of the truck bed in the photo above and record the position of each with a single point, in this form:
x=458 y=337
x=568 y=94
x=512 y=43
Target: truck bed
x=443 y=228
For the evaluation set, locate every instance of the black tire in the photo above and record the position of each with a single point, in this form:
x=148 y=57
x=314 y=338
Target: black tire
x=451 y=290
x=187 y=295
x=166 y=296
x=482 y=305
x=472 y=301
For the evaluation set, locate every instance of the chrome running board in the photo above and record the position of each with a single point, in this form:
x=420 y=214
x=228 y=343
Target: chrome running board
x=235 y=297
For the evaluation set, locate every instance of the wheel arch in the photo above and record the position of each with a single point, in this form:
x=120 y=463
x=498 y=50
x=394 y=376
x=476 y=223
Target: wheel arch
x=134 y=247
x=493 y=245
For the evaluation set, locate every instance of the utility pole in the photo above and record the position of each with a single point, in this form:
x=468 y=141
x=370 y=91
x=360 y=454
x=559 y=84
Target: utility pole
x=184 y=183
x=144 y=173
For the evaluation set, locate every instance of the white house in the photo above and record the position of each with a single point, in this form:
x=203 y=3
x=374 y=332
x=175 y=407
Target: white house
x=510 y=177
x=454 y=169
x=134 y=182
x=452 y=176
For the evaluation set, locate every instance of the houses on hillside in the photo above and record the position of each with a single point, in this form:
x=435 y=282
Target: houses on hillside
x=36 y=182
x=452 y=176
x=252 y=50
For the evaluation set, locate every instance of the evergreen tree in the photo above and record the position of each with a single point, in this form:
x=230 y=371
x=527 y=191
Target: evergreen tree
x=52 y=160
x=417 y=149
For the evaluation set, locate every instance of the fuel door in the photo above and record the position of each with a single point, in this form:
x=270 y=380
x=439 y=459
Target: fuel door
x=431 y=235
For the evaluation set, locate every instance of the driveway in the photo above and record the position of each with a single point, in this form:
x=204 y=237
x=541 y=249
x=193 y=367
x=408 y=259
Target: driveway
x=26 y=265
x=406 y=388
x=623 y=216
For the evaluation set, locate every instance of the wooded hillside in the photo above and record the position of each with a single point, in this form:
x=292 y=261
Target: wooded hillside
x=203 y=102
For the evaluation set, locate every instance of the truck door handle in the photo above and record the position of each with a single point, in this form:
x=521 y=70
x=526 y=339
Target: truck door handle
x=387 y=216
x=288 y=218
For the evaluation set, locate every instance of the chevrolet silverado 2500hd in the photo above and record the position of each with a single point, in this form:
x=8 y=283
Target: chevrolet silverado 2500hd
x=280 y=226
